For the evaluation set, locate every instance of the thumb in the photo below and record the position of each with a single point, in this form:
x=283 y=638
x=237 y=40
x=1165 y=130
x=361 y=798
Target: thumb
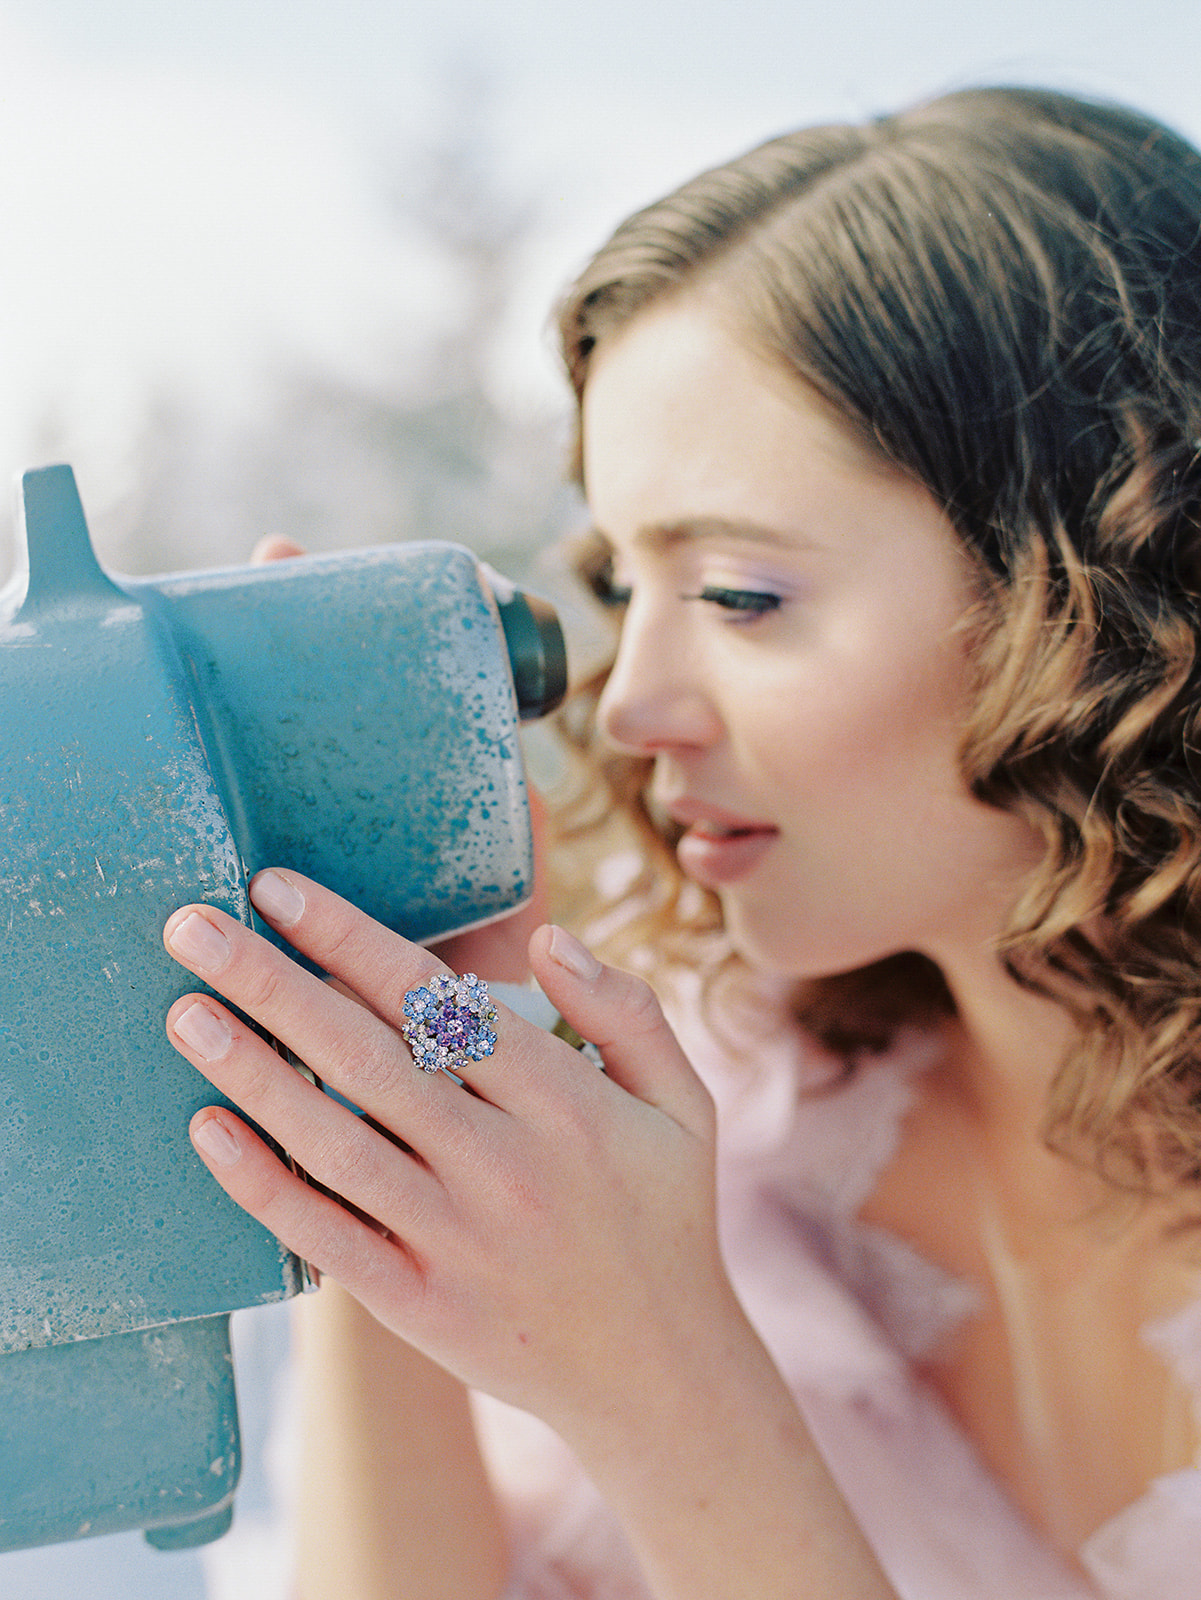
x=620 y=1014
x=274 y=547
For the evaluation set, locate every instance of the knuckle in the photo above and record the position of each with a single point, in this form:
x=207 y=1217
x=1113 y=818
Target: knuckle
x=260 y=989
x=349 y=1251
x=572 y=1110
x=259 y=1076
x=639 y=1008
x=270 y=1192
x=362 y=1055
x=514 y=1188
x=569 y=1113
x=340 y=937
x=575 y=1131
x=346 y=1163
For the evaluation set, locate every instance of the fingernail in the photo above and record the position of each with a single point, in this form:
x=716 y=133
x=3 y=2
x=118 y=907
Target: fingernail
x=567 y=950
x=214 y=1140
x=204 y=1031
x=199 y=944
x=280 y=901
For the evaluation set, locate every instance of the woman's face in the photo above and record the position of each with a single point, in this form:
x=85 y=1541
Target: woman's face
x=791 y=655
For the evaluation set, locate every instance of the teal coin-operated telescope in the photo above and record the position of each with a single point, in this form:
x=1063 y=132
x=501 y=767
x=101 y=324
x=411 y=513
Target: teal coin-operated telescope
x=354 y=716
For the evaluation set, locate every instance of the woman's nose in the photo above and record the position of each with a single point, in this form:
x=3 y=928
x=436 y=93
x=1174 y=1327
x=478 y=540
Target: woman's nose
x=651 y=702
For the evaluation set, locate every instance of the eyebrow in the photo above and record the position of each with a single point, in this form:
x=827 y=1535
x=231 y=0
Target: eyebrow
x=660 y=536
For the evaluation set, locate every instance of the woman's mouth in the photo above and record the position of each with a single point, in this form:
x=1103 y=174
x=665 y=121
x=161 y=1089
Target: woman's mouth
x=715 y=852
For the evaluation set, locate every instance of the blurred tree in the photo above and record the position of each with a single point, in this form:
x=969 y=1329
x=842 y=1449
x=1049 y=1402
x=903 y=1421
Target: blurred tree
x=436 y=448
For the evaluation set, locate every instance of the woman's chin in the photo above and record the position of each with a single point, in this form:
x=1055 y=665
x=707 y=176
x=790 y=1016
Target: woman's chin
x=768 y=951
x=784 y=953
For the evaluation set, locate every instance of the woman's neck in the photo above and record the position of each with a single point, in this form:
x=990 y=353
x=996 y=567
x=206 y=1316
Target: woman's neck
x=1005 y=1045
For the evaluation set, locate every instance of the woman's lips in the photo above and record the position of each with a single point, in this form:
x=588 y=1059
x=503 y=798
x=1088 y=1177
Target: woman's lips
x=714 y=853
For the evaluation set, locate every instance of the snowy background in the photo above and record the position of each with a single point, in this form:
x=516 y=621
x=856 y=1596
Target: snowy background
x=280 y=265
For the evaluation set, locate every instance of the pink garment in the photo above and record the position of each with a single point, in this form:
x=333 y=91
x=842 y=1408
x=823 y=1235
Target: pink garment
x=846 y=1309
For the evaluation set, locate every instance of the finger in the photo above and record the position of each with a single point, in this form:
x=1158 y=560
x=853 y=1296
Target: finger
x=336 y=1148
x=621 y=1015
x=347 y=1045
x=382 y=968
x=309 y=1223
x=343 y=941
x=274 y=547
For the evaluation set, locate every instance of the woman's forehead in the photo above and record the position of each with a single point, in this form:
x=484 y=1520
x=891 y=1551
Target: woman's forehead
x=679 y=372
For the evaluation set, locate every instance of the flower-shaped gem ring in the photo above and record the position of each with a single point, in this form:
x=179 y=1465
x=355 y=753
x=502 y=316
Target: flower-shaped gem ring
x=449 y=1022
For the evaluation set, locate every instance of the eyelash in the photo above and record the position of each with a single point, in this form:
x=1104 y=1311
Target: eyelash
x=613 y=595
x=748 y=603
x=745 y=605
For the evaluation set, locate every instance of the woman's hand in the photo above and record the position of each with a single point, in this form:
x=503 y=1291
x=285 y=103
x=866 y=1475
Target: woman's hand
x=520 y=1233
x=546 y=1233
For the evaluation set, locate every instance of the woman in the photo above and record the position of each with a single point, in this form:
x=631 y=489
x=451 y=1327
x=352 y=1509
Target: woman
x=891 y=436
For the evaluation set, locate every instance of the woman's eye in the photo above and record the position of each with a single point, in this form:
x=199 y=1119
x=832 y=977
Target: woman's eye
x=600 y=579
x=746 y=602
x=611 y=594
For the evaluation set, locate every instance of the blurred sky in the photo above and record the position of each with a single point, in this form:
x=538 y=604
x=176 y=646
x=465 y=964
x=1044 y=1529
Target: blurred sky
x=191 y=193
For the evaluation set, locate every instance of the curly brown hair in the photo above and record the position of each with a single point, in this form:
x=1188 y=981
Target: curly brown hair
x=1001 y=290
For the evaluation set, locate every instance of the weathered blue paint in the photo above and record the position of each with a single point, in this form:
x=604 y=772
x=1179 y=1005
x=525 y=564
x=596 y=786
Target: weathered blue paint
x=137 y=1430
x=353 y=716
